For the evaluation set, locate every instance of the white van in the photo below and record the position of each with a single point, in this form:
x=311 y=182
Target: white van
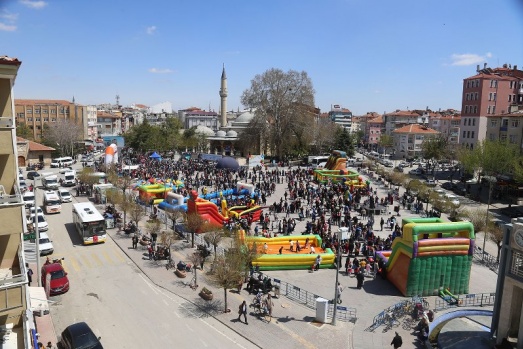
x=62 y=162
x=69 y=179
x=50 y=182
x=29 y=198
x=52 y=202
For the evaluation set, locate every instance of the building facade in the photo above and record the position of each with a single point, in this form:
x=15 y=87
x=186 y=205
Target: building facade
x=35 y=113
x=506 y=128
x=408 y=140
x=448 y=127
x=16 y=320
x=375 y=128
x=491 y=91
x=341 y=116
x=90 y=123
x=193 y=117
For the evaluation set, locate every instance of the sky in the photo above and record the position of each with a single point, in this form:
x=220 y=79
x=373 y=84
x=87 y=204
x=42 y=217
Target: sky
x=364 y=55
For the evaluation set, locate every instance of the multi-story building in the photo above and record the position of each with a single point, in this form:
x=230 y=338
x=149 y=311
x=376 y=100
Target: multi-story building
x=506 y=127
x=400 y=118
x=447 y=126
x=375 y=128
x=90 y=123
x=16 y=321
x=193 y=117
x=491 y=91
x=341 y=116
x=408 y=140
x=109 y=123
x=35 y=113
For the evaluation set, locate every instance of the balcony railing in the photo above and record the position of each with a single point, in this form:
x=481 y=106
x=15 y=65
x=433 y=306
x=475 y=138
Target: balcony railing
x=6 y=122
x=503 y=128
x=14 y=276
x=7 y=199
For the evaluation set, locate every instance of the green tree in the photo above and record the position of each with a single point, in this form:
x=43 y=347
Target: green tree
x=345 y=141
x=24 y=131
x=434 y=149
x=386 y=142
x=281 y=99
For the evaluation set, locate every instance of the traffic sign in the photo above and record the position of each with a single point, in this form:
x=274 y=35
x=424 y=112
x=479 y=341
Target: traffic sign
x=31 y=236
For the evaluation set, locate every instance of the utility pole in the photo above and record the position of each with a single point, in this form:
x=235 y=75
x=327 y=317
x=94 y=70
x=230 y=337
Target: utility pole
x=336 y=293
x=37 y=239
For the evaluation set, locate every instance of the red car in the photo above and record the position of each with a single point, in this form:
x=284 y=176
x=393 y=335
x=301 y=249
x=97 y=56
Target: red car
x=59 y=283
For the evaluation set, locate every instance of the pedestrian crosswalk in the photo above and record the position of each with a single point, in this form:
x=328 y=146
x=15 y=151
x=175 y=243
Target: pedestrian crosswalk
x=83 y=257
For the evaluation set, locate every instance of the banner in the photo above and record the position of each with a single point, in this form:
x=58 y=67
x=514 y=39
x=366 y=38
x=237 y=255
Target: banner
x=256 y=160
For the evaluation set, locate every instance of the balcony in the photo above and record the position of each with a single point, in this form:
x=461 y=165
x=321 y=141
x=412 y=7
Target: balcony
x=14 y=275
x=503 y=128
x=6 y=122
x=10 y=198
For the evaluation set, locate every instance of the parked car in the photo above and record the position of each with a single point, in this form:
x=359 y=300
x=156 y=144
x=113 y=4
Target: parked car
x=398 y=169
x=460 y=189
x=449 y=186
x=41 y=221
x=66 y=169
x=23 y=185
x=430 y=182
x=416 y=172
x=29 y=198
x=45 y=245
x=34 y=209
x=79 y=336
x=33 y=175
x=453 y=199
x=65 y=195
x=59 y=283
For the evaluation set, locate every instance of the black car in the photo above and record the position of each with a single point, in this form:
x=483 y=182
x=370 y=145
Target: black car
x=78 y=336
x=448 y=186
x=33 y=175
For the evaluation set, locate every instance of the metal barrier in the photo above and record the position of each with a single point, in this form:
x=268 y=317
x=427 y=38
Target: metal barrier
x=342 y=313
x=466 y=300
x=487 y=259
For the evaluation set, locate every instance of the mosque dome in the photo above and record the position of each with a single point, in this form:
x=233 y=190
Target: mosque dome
x=232 y=133
x=221 y=134
x=204 y=130
x=244 y=117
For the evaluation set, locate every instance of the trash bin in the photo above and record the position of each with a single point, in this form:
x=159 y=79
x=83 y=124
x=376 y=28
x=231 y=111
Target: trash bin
x=109 y=221
x=276 y=291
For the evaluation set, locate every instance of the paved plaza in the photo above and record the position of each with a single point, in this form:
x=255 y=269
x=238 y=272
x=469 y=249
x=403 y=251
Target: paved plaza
x=293 y=324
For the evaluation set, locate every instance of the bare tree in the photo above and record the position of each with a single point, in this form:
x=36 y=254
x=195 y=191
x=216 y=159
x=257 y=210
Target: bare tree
x=495 y=234
x=214 y=238
x=197 y=225
x=196 y=260
x=64 y=134
x=136 y=212
x=227 y=272
x=280 y=99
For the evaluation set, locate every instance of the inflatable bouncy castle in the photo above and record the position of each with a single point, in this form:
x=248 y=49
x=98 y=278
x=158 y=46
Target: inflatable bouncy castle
x=111 y=154
x=430 y=256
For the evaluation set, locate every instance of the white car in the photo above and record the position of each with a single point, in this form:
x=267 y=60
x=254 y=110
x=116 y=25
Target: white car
x=453 y=199
x=32 y=210
x=66 y=169
x=415 y=171
x=42 y=222
x=65 y=195
x=29 y=198
x=45 y=245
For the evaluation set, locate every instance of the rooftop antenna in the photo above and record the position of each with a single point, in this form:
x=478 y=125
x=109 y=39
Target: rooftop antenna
x=117 y=100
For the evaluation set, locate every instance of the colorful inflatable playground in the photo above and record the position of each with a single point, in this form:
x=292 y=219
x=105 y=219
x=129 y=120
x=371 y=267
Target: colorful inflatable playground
x=174 y=201
x=271 y=259
x=156 y=192
x=209 y=210
x=431 y=256
x=336 y=171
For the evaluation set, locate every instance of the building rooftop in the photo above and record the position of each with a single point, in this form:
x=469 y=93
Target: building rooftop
x=33 y=146
x=9 y=60
x=415 y=128
x=42 y=102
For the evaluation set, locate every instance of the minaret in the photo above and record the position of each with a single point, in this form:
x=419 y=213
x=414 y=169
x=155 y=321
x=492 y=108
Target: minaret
x=223 y=96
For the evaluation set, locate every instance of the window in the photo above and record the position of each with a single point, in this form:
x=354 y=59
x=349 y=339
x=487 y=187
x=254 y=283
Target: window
x=473 y=122
x=46 y=119
x=472 y=134
x=494 y=96
x=37 y=110
x=492 y=137
x=29 y=111
x=53 y=119
x=516 y=267
x=467 y=96
x=464 y=134
x=53 y=111
x=488 y=109
x=62 y=110
x=514 y=123
x=468 y=83
x=513 y=139
x=29 y=119
x=503 y=138
x=477 y=85
x=475 y=96
x=495 y=83
x=470 y=120
x=504 y=122
x=493 y=109
x=466 y=109
x=475 y=109
x=45 y=111
x=494 y=123
x=37 y=119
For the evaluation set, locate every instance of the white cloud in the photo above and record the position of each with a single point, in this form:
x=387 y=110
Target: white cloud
x=7 y=28
x=160 y=71
x=151 y=30
x=8 y=21
x=469 y=58
x=34 y=4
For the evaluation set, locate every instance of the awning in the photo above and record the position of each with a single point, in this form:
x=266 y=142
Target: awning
x=38 y=299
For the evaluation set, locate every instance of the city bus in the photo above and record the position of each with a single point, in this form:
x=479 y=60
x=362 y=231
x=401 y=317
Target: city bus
x=89 y=223
x=316 y=160
x=52 y=203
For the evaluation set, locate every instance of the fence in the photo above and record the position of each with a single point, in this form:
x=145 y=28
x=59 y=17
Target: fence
x=343 y=313
x=465 y=300
x=487 y=259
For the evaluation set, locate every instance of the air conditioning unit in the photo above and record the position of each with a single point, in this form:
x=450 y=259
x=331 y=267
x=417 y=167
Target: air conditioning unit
x=5 y=331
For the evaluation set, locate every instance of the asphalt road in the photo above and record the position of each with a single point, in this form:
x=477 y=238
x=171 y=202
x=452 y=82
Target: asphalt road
x=119 y=302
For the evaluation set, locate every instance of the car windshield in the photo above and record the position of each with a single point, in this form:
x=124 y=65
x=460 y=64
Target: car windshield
x=69 y=177
x=29 y=198
x=51 y=181
x=65 y=193
x=44 y=240
x=85 y=341
x=41 y=219
x=58 y=274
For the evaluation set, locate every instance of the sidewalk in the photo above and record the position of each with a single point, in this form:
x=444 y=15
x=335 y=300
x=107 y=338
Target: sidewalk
x=293 y=324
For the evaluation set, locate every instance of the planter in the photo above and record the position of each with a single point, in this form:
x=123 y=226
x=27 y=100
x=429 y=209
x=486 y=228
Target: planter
x=180 y=273
x=206 y=294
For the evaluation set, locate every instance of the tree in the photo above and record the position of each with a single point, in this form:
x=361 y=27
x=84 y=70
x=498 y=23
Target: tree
x=495 y=234
x=386 y=142
x=24 y=131
x=196 y=225
x=345 y=141
x=280 y=100
x=214 y=238
x=64 y=134
x=226 y=273
x=136 y=211
x=434 y=149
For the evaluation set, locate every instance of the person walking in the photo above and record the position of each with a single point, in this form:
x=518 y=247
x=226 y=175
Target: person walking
x=243 y=311
x=397 y=341
x=135 y=241
x=382 y=222
x=340 y=290
x=29 y=273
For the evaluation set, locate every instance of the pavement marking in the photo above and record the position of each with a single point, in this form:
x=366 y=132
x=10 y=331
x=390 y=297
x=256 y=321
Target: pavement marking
x=97 y=260
x=223 y=334
x=74 y=263
x=189 y=327
x=204 y=344
x=118 y=254
x=107 y=257
x=149 y=284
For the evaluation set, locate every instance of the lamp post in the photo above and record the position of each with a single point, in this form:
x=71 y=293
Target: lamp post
x=486 y=217
x=37 y=238
x=336 y=293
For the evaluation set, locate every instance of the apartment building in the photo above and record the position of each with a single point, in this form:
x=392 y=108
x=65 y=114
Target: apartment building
x=16 y=321
x=37 y=112
x=341 y=116
x=408 y=140
x=447 y=126
x=506 y=127
x=400 y=118
x=109 y=123
x=490 y=92
x=375 y=128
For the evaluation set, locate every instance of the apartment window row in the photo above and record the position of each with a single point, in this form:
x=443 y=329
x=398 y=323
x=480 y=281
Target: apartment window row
x=468 y=134
x=470 y=121
x=493 y=83
x=472 y=83
x=472 y=96
x=491 y=109
x=514 y=84
x=471 y=109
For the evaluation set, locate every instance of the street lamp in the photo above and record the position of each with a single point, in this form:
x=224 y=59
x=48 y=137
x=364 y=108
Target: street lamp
x=336 y=292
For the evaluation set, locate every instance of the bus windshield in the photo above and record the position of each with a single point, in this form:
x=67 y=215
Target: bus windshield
x=94 y=228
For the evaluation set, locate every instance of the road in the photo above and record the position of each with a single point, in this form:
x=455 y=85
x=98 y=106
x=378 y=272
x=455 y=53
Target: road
x=119 y=302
